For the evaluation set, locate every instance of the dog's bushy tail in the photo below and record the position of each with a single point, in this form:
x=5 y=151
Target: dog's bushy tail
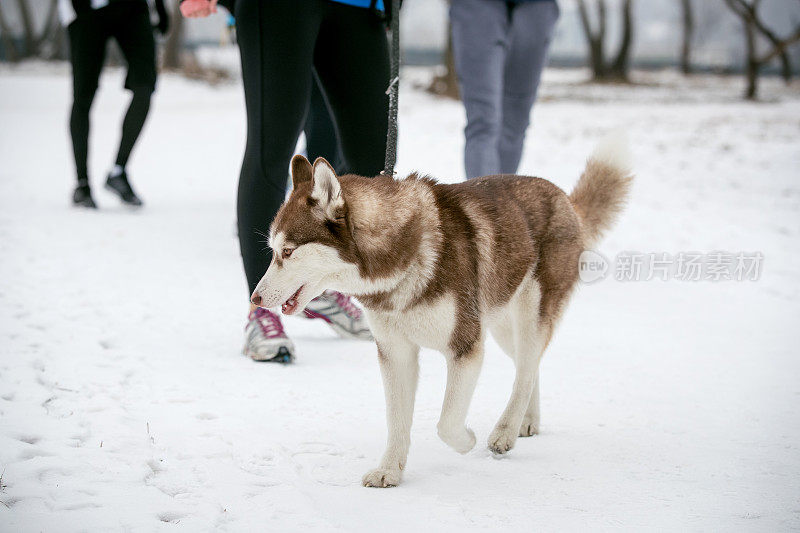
x=603 y=188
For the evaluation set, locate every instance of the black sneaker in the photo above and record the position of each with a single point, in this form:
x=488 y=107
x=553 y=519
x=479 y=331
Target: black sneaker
x=82 y=197
x=119 y=185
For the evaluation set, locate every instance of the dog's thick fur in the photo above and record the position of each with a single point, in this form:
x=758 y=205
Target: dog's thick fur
x=439 y=266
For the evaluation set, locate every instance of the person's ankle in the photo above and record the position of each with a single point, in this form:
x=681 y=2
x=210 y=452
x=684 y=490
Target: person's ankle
x=116 y=170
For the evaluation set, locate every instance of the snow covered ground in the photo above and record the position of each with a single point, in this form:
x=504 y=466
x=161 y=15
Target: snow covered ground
x=126 y=405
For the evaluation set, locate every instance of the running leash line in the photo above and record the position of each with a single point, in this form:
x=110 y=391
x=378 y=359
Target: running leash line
x=393 y=92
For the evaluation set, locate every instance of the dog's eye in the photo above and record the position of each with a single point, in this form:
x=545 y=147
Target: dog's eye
x=287 y=252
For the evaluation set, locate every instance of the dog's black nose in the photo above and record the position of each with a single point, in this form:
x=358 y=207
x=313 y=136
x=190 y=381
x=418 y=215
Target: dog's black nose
x=255 y=299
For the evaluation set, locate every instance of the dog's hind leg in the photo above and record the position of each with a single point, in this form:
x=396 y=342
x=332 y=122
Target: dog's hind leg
x=529 y=343
x=530 y=422
x=503 y=333
x=462 y=376
x=551 y=308
x=400 y=368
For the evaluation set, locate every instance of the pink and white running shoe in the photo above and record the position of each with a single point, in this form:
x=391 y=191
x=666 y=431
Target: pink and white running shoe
x=341 y=313
x=264 y=338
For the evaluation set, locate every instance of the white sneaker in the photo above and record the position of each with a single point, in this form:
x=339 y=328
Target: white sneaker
x=341 y=314
x=264 y=338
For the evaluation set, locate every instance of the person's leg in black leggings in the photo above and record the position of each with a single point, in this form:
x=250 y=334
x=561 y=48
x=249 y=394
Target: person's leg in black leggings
x=321 y=137
x=276 y=43
x=352 y=62
x=87 y=40
x=134 y=33
x=133 y=124
x=279 y=43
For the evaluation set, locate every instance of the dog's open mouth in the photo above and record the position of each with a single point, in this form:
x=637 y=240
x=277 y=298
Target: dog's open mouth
x=290 y=305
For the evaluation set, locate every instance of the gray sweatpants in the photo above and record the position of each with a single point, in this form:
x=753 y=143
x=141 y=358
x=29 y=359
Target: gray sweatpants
x=500 y=49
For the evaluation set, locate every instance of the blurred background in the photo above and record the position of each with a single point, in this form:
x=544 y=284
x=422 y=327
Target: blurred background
x=692 y=35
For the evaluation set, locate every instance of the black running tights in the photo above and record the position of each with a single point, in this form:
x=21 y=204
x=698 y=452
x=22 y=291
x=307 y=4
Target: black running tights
x=281 y=46
x=129 y=24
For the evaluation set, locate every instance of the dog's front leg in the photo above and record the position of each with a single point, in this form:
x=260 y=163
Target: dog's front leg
x=462 y=376
x=400 y=369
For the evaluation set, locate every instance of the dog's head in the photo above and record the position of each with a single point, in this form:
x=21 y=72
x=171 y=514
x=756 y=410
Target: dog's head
x=310 y=239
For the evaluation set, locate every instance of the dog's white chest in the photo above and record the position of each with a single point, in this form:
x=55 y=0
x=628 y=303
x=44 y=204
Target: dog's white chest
x=429 y=325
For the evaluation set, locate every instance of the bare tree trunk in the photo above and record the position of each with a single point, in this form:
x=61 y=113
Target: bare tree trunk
x=618 y=69
x=598 y=60
x=688 y=34
x=447 y=84
x=451 y=76
x=786 y=67
x=622 y=62
x=9 y=47
x=752 y=62
x=598 y=53
x=174 y=44
x=595 y=40
x=29 y=39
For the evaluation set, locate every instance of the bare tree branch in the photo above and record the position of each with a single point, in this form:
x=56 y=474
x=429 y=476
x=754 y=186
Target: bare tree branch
x=748 y=13
x=781 y=47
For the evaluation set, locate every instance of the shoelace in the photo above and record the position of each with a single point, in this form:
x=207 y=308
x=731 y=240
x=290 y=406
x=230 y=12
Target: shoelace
x=270 y=323
x=346 y=303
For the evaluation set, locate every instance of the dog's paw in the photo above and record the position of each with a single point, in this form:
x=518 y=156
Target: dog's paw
x=462 y=440
x=528 y=428
x=381 y=478
x=501 y=440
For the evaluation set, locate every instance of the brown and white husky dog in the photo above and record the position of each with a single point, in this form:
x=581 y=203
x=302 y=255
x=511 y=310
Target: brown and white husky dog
x=439 y=266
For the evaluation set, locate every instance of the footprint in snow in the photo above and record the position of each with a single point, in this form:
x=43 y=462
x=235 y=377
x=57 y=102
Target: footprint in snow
x=170 y=516
x=29 y=439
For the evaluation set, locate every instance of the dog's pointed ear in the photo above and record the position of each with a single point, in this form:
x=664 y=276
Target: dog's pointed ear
x=301 y=170
x=327 y=191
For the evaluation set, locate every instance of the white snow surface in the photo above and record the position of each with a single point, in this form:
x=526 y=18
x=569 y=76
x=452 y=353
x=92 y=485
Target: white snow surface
x=125 y=403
